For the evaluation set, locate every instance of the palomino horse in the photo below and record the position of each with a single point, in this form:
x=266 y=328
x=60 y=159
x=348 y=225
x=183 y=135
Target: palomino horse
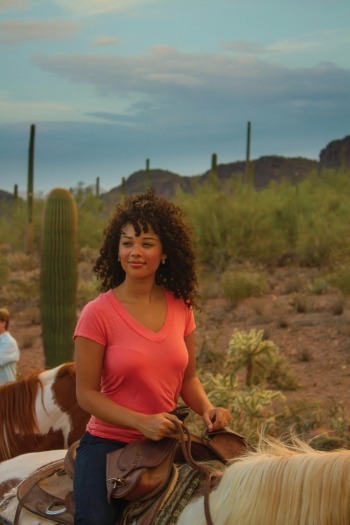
x=273 y=485
x=40 y=412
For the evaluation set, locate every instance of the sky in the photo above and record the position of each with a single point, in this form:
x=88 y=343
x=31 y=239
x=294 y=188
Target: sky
x=111 y=83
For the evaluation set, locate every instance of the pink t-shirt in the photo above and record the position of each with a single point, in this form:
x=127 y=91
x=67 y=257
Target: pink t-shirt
x=143 y=370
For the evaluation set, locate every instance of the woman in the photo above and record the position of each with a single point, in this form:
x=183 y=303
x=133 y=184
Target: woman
x=134 y=344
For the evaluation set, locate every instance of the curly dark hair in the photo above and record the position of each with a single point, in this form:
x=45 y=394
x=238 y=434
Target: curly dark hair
x=144 y=210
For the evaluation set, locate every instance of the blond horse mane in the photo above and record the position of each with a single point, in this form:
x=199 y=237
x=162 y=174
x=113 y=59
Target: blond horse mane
x=280 y=484
x=17 y=410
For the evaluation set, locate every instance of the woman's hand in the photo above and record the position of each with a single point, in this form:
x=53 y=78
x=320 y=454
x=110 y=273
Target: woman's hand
x=158 y=426
x=216 y=418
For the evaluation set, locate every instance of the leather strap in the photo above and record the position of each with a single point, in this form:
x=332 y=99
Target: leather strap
x=185 y=439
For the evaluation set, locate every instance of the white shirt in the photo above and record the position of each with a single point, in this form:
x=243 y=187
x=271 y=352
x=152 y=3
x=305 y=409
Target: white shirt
x=9 y=356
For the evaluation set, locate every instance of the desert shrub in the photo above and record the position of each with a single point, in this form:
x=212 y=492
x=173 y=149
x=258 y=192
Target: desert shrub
x=88 y=254
x=87 y=290
x=209 y=285
x=4 y=270
x=21 y=289
x=320 y=240
x=319 y=286
x=300 y=302
x=305 y=222
x=280 y=376
x=92 y=216
x=13 y=224
x=294 y=283
x=323 y=220
x=240 y=284
x=340 y=279
x=302 y=415
x=340 y=422
x=212 y=220
x=19 y=261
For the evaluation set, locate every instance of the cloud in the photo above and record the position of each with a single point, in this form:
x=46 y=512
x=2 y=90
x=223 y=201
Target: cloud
x=25 y=110
x=185 y=99
x=21 y=5
x=104 y=40
x=258 y=48
x=97 y=7
x=316 y=41
x=172 y=78
x=15 y=31
x=128 y=120
x=244 y=46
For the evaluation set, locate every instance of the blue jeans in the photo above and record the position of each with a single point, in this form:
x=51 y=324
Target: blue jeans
x=90 y=491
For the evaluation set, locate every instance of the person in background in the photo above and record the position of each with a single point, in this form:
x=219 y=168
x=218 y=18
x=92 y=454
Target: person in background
x=134 y=345
x=9 y=351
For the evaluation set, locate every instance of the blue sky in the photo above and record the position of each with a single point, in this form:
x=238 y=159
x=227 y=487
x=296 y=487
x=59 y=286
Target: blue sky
x=110 y=83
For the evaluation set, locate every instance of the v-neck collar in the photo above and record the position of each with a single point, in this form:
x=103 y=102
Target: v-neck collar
x=137 y=325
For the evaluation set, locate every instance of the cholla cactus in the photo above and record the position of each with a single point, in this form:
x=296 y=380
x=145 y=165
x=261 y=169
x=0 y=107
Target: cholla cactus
x=252 y=352
x=250 y=404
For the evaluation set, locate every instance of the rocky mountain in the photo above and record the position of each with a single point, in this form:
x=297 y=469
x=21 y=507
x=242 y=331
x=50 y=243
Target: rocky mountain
x=336 y=154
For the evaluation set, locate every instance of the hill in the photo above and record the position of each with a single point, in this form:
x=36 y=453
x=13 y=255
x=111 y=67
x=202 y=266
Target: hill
x=263 y=170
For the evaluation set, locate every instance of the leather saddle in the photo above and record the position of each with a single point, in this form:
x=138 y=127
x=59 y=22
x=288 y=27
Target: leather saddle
x=48 y=492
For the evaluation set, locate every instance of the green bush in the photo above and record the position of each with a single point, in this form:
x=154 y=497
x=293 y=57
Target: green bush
x=240 y=284
x=340 y=279
x=4 y=270
x=305 y=222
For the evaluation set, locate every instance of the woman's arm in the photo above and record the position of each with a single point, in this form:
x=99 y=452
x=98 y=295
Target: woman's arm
x=89 y=357
x=194 y=395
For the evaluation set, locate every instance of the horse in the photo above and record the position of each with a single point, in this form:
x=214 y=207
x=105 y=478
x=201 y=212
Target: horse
x=40 y=412
x=274 y=484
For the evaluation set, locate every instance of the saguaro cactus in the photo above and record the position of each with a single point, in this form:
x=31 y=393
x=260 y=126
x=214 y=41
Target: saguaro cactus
x=248 y=165
x=123 y=186
x=59 y=276
x=30 y=190
x=214 y=171
x=147 y=177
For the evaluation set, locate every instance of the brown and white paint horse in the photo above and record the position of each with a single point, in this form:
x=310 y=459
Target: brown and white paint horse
x=273 y=485
x=40 y=412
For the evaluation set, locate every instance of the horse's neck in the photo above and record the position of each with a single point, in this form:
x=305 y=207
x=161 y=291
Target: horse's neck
x=49 y=414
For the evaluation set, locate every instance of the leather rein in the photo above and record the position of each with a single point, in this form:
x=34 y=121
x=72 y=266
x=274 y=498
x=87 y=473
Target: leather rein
x=185 y=440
